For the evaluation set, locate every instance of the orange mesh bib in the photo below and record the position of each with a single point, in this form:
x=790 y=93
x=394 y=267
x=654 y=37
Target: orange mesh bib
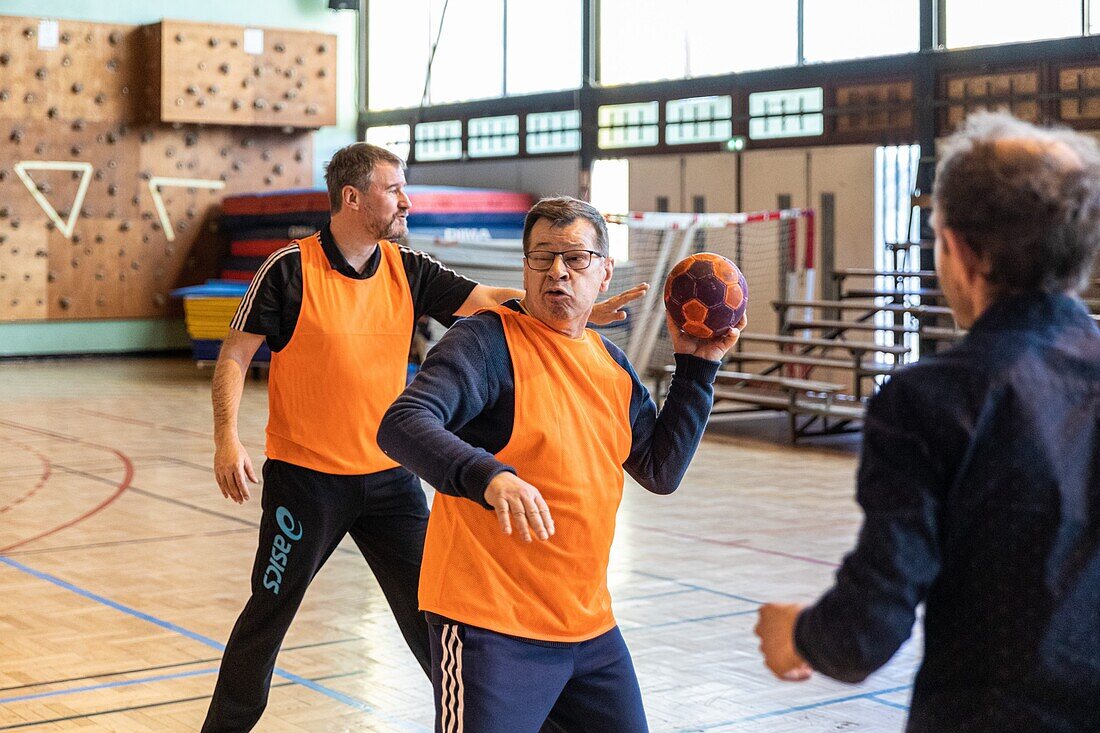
x=344 y=365
x=570 y=437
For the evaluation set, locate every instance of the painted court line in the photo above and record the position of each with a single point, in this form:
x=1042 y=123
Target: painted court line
x=890 y=704
x=159 y=426
x=694 y=586
x=128 y=471
x=42 y=479
x=740 y=545
x=810 y=706
x=98 y=713
x=108 y=685
x=170 y=665
x=650 y=596
x=680 y=622
x=309 y=684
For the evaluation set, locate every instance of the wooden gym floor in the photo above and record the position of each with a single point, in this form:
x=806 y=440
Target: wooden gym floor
x=122 y=570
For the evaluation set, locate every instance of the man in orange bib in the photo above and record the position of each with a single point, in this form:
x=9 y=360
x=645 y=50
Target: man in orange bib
x=337 y=310
x=524 y=421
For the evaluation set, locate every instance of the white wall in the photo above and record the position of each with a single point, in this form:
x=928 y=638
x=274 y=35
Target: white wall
x=847 y=172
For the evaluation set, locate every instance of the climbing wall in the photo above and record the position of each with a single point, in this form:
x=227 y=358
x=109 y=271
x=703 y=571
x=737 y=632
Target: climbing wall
x=105 y=206
x=219 y=74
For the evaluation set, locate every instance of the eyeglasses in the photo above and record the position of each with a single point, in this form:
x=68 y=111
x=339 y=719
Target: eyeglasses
x=574 y=259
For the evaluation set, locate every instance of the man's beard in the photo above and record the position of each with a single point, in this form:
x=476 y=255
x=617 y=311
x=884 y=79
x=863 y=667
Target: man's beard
x=396 y=229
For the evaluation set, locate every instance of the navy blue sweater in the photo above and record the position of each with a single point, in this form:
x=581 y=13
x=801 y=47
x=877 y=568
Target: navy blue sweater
x=459 y=411
x=980 y=482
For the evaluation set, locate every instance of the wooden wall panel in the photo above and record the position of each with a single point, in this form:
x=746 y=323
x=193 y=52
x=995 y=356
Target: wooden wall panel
x=1085 y=81
x=25 y=72
x=298 y=81
x=877 y=107
x=207 y=76
x=993 y=91
x=24 y=264
x=119 y=260
x=96 y=72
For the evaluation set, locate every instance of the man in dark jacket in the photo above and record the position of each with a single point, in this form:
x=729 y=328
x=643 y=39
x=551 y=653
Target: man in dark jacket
x=980 y=474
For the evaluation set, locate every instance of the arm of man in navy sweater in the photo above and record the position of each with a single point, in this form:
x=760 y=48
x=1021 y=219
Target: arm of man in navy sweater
x=664 y=443
x=858 y=624
x=466 y=387
x=460 y=378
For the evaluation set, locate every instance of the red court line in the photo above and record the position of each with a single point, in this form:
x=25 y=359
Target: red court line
x=46 y=469
x=159 y=426
x=740 y=544
x=127 y=465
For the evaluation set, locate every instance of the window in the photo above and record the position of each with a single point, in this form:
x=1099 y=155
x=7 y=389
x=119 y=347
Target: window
x=897 y=234
x=402 y=34
x=439 y=140
x=728 y=36
x=543 y=50
x=493 y=136
x=977 y=23
x=554 y=132
x=788 y=113
x=646 y=40
x=398 y=59
x=848 y=29
x=394 y=138
x=611 y=195
x=470 y=56
x=628 y=125
x=698 y=120
x=544 y=46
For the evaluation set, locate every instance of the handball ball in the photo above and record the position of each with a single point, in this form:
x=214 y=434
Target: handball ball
x=706 y=295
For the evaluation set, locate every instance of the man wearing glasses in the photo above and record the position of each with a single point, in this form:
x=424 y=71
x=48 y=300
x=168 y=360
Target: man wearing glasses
x=524 y=421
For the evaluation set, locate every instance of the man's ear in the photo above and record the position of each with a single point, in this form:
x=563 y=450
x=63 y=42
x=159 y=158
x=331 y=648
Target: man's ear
x=350 y=196
x=970 y=265
x=609 y=269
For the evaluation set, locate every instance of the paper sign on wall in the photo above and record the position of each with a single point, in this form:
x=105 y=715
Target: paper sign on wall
x=254 y=41
x=47 y=35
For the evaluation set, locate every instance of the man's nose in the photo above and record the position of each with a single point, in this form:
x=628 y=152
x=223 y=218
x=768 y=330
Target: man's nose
x=558 y=270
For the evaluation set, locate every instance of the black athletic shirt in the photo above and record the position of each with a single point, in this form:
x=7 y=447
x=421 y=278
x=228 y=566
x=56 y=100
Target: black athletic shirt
x=271 y=306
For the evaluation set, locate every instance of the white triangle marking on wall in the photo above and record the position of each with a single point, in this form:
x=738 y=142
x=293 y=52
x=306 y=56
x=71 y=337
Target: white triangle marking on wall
x=65 y=227
x=155 y=184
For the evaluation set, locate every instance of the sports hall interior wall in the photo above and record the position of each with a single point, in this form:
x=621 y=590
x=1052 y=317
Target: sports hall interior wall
x=105 y=288
x=802 y=174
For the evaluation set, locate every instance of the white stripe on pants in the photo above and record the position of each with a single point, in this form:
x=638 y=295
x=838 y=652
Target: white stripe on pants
x=452 y=702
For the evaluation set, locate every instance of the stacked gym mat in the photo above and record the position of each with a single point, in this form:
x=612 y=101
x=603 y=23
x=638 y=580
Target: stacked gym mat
x=441 y=217
x=207 y=311
x=259 y=224
x=474 y=231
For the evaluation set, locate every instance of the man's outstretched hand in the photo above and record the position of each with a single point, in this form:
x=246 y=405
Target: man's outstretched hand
x=611 y=310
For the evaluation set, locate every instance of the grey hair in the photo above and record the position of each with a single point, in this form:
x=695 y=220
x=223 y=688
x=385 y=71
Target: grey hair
x=562 y=211
x=1025 y=199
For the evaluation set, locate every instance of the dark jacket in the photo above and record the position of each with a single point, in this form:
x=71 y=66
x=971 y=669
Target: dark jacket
x=980 y=484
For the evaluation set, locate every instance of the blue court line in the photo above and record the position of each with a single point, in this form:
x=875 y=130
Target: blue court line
x=810 y=706
x=112 y=604
x=107 y=685
x=648 y=596
x=698 y=587
x=890 y=704
x=309 y=684
x=689 y=620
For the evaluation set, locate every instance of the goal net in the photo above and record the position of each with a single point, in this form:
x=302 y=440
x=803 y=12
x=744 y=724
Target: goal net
x=774 y=250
